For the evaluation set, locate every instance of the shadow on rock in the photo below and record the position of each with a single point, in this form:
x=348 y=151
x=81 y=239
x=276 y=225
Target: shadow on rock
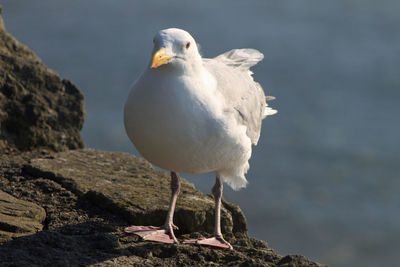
x=79 y=244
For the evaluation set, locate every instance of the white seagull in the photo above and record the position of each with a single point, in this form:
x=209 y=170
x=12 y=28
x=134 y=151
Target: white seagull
x=195 y=115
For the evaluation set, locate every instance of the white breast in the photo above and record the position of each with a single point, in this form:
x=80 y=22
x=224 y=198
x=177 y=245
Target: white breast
x=179 y=127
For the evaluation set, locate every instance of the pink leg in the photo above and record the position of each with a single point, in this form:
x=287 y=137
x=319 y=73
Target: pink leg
x=217 y=241
x=165 y=233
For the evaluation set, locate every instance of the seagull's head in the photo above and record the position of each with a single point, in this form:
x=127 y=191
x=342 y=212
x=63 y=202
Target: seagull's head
x=174 y=49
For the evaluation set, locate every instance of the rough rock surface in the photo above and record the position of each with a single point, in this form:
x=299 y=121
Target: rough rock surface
x=129 y=185
x=86 y=215
x=19 y=217
x=37 y=107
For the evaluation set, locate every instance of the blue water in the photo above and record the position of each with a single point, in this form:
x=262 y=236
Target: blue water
x=324 y=179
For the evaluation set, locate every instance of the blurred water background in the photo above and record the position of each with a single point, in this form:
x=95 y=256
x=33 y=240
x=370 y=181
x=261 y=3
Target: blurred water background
x=324 y=179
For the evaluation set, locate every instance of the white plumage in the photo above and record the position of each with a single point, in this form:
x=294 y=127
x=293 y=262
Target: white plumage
x=197 y=115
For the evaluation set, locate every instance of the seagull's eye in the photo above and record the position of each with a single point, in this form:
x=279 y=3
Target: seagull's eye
x=187 y=45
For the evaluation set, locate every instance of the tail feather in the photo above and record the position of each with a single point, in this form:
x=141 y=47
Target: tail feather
x=268 y=111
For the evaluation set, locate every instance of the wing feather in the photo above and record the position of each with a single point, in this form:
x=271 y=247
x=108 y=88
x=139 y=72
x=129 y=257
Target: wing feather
x=244 y=97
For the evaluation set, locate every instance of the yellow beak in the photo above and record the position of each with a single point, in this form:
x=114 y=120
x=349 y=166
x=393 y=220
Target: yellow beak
x=160 y=58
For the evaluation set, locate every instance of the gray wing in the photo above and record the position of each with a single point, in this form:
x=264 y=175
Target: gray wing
x=244 y=97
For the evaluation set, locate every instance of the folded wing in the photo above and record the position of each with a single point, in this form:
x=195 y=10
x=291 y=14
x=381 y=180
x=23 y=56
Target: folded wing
x=244 y=97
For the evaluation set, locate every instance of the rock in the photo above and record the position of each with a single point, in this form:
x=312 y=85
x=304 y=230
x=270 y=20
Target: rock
x=130 y=186
x=18 y=217
x=37 y=107
x=84 y=223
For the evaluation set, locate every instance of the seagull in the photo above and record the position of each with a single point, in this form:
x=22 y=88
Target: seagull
x=189 y=114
